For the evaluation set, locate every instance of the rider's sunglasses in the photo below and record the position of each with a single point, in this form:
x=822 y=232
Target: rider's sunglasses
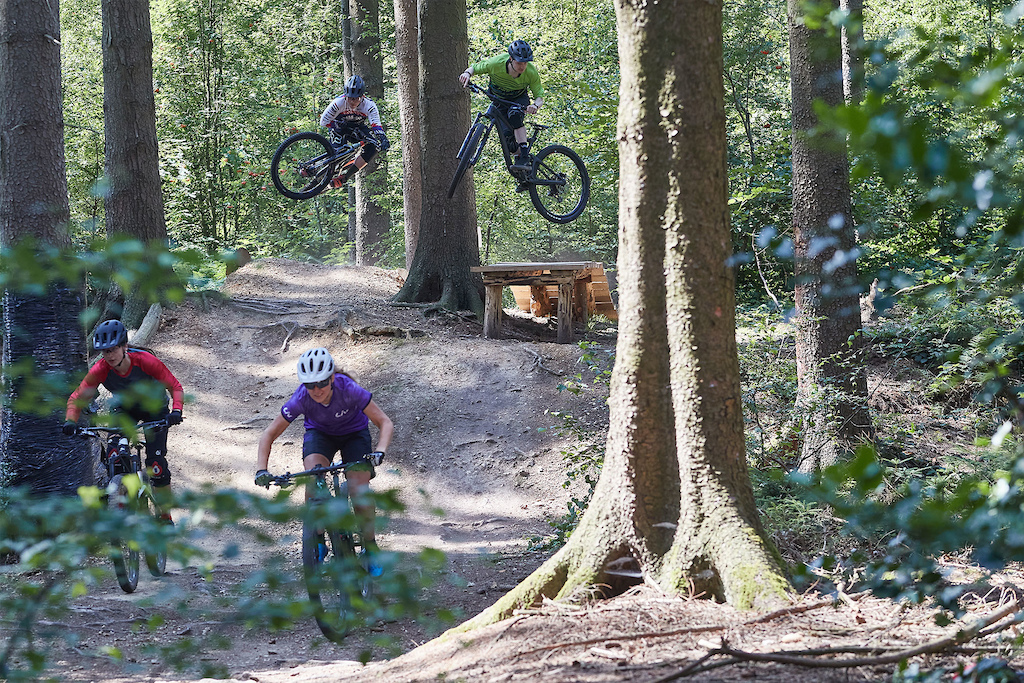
x=317 y=385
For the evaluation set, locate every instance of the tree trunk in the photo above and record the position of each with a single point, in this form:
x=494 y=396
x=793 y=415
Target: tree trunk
x=40 y=330
x=853 y=53
x=409 y=112
x=134 y=205
x=448 y=245
x=832 y=389
x=372 y=218
x=674 y=503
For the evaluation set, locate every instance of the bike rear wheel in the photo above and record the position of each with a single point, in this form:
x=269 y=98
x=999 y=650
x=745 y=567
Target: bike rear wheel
x=126 y=560
x=470 y=150
x=559 y=184
x=302 y=166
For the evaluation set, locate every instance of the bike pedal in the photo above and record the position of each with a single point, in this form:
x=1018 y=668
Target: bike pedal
x=522 y=187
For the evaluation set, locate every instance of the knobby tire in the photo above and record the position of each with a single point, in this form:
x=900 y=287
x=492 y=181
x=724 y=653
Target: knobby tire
x=156 y=560
x=126 y=560
x=309 y=151
x=468 y=156
x=559 y=184
x=326 y=579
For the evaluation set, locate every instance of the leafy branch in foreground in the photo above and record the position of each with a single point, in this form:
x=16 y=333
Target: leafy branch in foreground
x=49 y=549
x=923 y=521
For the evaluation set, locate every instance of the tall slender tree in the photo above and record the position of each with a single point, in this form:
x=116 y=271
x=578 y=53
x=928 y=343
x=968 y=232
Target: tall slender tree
x=133 y=202
x=39 y=332
x=832 y=389
x=372 y=218
x=674 y=503
x=448 y=246
x=408 y=78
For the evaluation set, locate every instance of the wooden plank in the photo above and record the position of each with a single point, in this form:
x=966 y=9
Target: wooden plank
x=540 y=302
x=522 y=295
x=565 y=327
x=492 y=312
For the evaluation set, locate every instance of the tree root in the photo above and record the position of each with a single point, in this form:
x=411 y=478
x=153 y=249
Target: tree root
x=807 y=658
x=341 y=322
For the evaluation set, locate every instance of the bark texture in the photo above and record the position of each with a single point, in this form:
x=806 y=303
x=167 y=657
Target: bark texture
x=39 y=332
x=832 y=388
x=674 y=504
x=372 y=219
x=33 y=194
x=133 y=203
x=448 y=245
x=406 y=58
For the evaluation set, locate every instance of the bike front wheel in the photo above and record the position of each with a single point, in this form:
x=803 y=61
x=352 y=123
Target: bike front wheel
x=327 y=559
x=559 y=184
x=302 y=166
x=156 y=560
x=126 y=559
x=470 y=151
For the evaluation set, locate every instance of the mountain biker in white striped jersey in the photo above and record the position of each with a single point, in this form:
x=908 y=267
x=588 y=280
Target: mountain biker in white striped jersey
x=352 y=117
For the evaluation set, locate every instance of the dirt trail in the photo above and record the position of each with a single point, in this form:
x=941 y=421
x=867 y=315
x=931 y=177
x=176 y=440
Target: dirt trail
x=466 y=411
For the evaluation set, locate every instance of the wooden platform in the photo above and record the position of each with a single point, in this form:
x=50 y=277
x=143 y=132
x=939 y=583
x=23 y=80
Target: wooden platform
x=572 y=290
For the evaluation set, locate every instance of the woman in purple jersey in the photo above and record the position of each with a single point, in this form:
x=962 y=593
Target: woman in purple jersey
x=337 y=414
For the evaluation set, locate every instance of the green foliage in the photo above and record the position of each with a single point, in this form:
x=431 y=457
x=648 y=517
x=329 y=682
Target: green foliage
x=919 y=522
x=52 y=544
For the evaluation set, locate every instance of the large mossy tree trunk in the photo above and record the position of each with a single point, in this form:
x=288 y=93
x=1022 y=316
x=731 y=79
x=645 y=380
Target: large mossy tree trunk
x=43 y=348
x=674 y=503
x=448 y=245
x=372 y=218
x=133 y=202
x=832 y=386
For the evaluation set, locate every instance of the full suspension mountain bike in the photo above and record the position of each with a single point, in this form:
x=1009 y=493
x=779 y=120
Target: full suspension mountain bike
x=128 y=493
x=336 y=573
x=305 y=163
x=558 y=182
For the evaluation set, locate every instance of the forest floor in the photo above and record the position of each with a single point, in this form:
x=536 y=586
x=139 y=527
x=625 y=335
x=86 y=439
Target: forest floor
x=468 y=413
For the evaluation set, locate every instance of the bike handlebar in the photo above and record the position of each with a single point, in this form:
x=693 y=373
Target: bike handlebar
x=493 y=98
x=287 y=478
x=99 y=430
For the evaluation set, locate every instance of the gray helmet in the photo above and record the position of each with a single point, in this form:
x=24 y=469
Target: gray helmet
x=354 y=87
x=520 y=51
x=109 y=334
x=315 y=365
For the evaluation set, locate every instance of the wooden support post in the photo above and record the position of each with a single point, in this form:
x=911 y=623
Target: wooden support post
x=565 y=331
x=581 y=302
x=492 y=312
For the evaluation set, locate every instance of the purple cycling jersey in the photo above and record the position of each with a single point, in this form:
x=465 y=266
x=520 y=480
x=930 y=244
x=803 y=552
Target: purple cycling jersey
x=343 y=415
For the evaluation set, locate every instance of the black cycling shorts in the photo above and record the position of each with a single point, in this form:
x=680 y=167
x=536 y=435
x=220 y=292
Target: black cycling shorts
x=353 y=447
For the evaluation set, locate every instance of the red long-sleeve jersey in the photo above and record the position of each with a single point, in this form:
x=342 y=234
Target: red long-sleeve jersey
x=144 y=366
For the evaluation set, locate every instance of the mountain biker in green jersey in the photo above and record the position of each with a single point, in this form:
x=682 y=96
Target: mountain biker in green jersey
x=511 y=75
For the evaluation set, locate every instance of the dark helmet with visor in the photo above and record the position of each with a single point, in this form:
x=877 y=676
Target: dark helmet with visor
x=354 y=87
x=109 y=334
x=520 y=51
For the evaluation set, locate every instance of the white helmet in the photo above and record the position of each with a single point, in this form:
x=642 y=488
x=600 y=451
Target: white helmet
x=315 y=365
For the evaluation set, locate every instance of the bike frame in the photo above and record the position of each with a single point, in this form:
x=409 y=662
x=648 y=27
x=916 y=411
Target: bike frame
x=115 y=442
x=495 y=118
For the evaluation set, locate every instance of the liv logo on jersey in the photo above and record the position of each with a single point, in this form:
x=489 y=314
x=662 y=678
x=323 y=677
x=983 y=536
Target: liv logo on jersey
x=342 y=413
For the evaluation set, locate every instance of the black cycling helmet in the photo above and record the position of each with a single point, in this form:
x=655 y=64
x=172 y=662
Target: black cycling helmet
x=109 y=334
x=520 y=51
x=354 y=87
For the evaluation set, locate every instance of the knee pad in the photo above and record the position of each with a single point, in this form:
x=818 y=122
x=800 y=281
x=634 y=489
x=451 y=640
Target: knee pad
x=161 y=474
x=516 y=116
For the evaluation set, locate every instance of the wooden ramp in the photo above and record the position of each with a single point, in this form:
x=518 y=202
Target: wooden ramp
x=542 y=300
x=569 y=290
